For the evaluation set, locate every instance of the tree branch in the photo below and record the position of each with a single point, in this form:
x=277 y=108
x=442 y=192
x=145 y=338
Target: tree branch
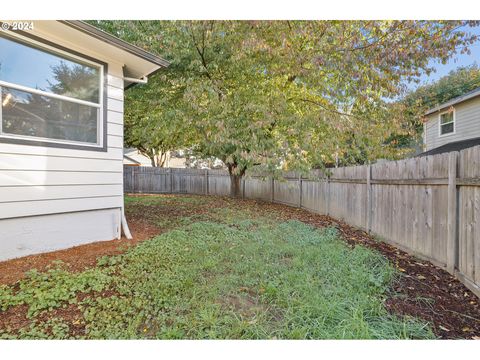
x=201 y=53
x=324 y=107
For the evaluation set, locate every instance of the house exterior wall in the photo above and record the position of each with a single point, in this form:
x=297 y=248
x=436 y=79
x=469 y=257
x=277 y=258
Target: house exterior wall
x=53 y=198
x=177 y=162
x=137 y=156
x=467 y=125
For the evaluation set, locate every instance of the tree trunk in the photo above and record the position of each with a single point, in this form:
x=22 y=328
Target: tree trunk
x=157 y=158
x=152 y=161
x=162 y=159
x=235 y=186
x=235 y=180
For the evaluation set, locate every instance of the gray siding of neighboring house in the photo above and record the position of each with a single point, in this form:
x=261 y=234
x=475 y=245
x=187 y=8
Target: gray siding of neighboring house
x=467 y=125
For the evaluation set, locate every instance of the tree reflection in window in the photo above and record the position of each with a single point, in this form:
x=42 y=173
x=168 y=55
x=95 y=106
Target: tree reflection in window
x=35 y=115
x=27 y=113
x=76 y=81
x=36 y=68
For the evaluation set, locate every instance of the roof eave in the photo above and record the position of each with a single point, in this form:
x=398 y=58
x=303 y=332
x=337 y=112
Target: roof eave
x=131 y=159
x=113 y=40
x=452 y=102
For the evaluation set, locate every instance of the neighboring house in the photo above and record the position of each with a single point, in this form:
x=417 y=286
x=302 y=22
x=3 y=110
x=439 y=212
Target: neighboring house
x=133 y=157
x=178 y=159
x=61 y=134
x=128 y=161
x=212 y=163
x=453 y=126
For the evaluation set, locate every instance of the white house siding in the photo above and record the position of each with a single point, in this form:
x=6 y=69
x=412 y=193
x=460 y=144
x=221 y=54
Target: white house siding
x=467 y=125
x=54 y=198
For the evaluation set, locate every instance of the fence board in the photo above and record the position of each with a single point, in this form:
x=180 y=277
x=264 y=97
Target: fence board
x=258 y=188
x=469 y=216
x=314 y=196
x=287 y=190
x=218 y=183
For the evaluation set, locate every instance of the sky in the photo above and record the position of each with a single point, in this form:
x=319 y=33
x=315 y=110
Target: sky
x=457 y=61
x=28 y=66
x=16 y=65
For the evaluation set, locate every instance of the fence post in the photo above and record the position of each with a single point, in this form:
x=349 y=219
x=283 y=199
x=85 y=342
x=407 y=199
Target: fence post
x=368 y=225
x=300 y=191
x=133 y=179
x=171 y=180
x=243 y=187
x=328 y=195
x=206 y=181
x=272 y=189
x=452 y=214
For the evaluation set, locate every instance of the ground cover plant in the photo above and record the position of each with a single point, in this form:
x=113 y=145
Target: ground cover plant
x=216 y=270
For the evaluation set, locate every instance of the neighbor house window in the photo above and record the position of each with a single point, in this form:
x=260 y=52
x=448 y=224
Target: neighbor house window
x=49 y=95
x=447 y=122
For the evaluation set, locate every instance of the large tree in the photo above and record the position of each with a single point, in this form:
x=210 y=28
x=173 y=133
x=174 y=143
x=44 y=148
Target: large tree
x=295 y=94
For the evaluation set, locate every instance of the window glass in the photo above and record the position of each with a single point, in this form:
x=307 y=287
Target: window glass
x=446 y=123
x=34 y=115
x=447 y=128
x=446 y=118
x=38 y=69
x=29 y=78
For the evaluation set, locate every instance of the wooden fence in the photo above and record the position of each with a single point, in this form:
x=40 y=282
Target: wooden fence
x=428 y=206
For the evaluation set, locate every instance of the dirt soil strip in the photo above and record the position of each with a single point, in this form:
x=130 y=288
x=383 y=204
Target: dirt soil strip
x=424 y=291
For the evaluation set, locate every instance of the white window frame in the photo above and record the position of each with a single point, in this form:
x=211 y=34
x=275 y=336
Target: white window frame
x=99 y=145
x=440 y=123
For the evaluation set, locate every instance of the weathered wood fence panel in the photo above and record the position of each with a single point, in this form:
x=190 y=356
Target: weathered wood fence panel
x=348 y=194
x=187 y=181
x=287 y=190
x=469 y=216
x=429 y=206
x=410 y=207
x=315 y=195
x=147 y=179
x=257 y=187
x=218 y=182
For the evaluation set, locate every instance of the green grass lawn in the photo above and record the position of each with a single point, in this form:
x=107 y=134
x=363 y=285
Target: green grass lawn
x=228 y=272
